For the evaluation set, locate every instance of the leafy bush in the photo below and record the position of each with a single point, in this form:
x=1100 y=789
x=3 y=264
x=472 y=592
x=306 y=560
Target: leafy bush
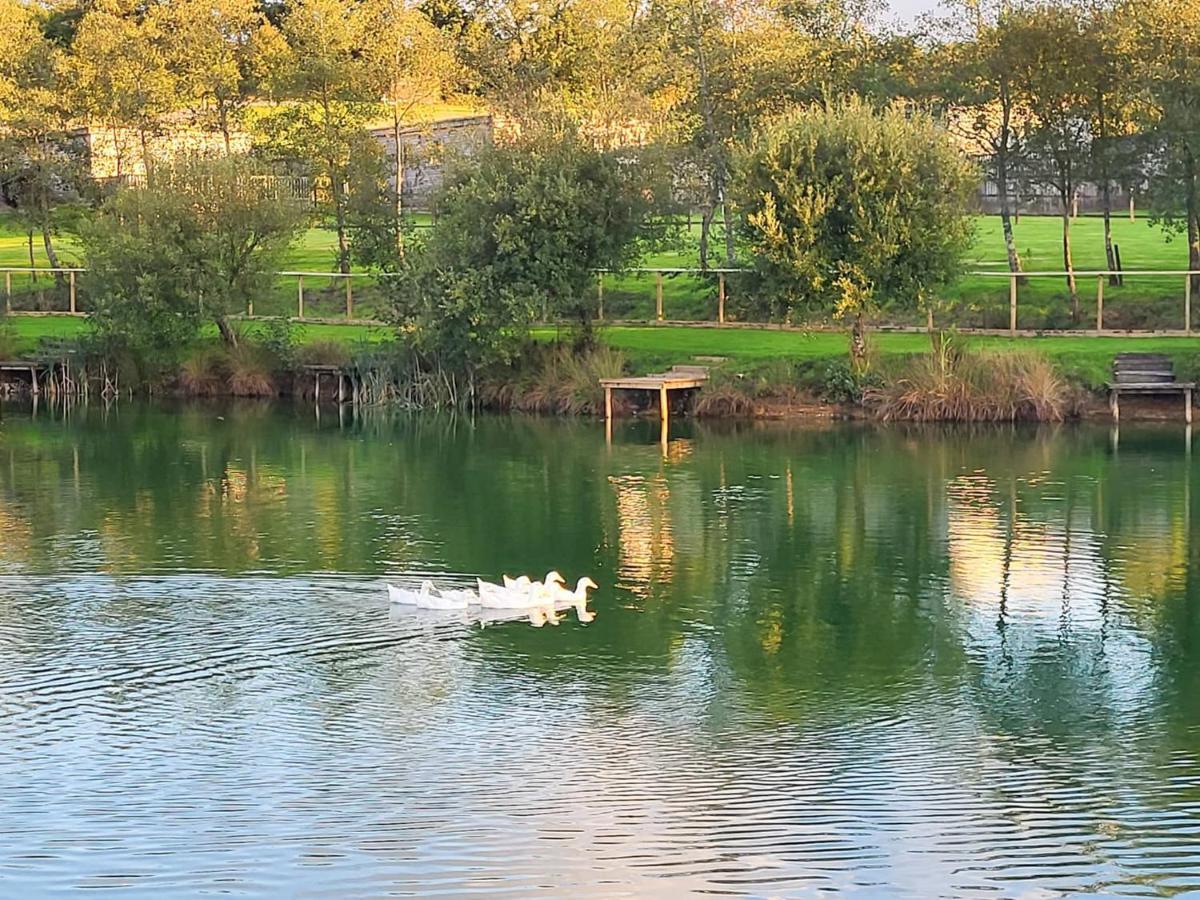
x=195 y=243
x=518 y=232
x=849 y=208
x=842 y=383
x=277 y=337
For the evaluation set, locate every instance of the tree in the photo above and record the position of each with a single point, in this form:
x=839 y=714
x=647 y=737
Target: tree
x=120 y=76
x=1051 y=64
x=194 y=245
x=40 y=163
x=1167 y=58
x=851 y=208
x=983 y=102
x=518 y=234
x=1110 y=100
x=409 y=63
x=329 y=98
x=219 y=52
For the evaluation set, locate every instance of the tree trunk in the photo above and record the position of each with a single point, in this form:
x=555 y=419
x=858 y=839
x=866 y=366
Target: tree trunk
x=1067 y=264
x=1109 y=253
x=727 y=216
x=1010 y=244
x=225 y=132
x=51 y=253
x=339 y=215
x=858 y=342
x=1193 y=215
x=146 y=163
x=399 y=176
x=228 y=335
x=706 y=217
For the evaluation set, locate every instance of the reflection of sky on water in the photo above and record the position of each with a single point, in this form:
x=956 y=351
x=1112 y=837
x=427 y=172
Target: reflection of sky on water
x=897 y=663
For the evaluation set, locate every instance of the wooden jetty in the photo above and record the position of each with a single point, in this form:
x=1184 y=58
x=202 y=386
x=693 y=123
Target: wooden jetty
x=679 y=378
x=1147 y=373
x=339 y=374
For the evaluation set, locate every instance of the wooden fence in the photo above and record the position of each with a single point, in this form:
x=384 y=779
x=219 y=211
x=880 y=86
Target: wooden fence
x=341 y=291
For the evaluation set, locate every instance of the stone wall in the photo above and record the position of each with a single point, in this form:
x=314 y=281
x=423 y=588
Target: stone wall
x=119 y=153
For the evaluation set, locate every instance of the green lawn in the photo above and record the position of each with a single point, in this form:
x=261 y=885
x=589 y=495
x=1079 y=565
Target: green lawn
x=1145 y=302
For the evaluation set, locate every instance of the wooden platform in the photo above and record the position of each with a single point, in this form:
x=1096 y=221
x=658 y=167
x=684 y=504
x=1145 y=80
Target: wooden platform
x=679 y=378
x=1147 y=373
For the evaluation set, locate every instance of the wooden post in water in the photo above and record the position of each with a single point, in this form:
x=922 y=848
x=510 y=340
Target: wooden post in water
x=299 y=296
x=721 y=298
x=664 y=427
x=658 y=291
x=1099 y=304
x=71 y=280
x=349 y=299
x=600 y=294
x=1012 y=304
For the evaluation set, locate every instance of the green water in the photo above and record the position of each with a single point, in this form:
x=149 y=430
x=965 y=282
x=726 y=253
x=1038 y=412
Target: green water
x=893 y=662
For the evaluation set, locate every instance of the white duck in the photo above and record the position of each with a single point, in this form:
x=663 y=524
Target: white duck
x=537 y=593
x=578 y=598
x=428 y=597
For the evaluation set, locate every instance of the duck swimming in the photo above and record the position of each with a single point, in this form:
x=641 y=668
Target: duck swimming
x=428 y=597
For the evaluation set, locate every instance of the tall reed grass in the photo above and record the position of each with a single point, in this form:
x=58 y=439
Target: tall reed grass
x=954 y=384
x=555 y=380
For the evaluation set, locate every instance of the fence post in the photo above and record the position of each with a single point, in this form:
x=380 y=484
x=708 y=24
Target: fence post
x=71 y=278
x=720 y=298
x=299 y=296
x=250 y=307
x=8 y=292
x=600 y=293
x=1187 y=303
x=1099 y=303
x=1012 y=304
x=658 y=288
x=1132 y=213
x=349 y=298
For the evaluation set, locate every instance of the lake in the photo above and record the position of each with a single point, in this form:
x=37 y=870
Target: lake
x=884 y=661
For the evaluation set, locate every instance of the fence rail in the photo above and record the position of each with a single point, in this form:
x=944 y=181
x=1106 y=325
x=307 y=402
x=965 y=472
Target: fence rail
x=336 y=299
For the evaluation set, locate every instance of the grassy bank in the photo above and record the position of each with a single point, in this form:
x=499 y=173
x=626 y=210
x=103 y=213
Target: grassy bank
x=1083 y=359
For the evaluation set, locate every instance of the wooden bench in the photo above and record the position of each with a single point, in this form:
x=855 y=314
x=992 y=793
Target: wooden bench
x=1146 y=373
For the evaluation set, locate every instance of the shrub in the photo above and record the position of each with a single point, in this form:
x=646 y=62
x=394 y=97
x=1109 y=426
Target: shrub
x=554 y=380
x=203 y=372
x=518 y=232
x=249 y=371
x=323 y=353
x=950 y=384
x=725 y=399
x=841 y=383
x=849 y=208
x=9 y=343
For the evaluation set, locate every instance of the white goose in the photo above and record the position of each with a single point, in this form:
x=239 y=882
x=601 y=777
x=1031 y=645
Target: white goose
x=537 y=593
x=428 y=597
